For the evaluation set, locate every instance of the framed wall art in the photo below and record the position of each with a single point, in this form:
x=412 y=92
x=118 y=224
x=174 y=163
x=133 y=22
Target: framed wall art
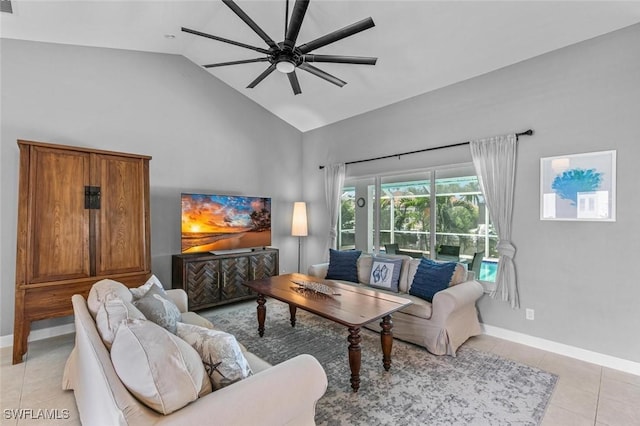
x=578 y=187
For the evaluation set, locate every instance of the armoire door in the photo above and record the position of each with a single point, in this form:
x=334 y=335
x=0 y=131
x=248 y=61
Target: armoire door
x=119 y=227
x=58 y=223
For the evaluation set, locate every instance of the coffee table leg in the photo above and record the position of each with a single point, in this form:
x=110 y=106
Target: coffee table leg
x=262 y=313
x=386 y=338
x=355 y=356
x=292 y=312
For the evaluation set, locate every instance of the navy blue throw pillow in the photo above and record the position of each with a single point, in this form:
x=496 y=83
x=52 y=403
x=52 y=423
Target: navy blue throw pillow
x=431 y=277
x=343 y=265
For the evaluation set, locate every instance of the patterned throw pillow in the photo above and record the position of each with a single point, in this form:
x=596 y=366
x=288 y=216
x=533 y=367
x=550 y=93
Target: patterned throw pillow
x=144 y=288
x=156 y=307
x=430 y=278
x=343 y=265
x=385 y=273
x=158 y=368
x=221 y=354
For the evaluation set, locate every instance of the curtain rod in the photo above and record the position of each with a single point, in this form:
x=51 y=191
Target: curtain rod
x=525 y=133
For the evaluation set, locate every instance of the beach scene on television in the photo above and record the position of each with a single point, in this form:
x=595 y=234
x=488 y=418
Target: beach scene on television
x=224 y=222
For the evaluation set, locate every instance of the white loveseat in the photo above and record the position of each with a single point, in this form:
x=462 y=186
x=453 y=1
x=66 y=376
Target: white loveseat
x=440 y=326
x=274 y=395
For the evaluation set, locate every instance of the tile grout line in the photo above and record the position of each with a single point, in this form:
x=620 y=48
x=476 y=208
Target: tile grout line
x=595 y=420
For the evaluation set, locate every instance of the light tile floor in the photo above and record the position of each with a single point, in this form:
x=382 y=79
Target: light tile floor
x=586 y=394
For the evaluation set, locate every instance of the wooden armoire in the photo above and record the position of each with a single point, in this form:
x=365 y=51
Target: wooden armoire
x=83 y=215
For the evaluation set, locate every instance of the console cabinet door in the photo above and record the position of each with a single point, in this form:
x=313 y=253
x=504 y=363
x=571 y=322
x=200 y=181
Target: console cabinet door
x=264 y=265
x=235 y=272
x=202 y=283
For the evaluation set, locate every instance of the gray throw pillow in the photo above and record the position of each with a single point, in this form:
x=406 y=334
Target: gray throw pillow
x=157 y=308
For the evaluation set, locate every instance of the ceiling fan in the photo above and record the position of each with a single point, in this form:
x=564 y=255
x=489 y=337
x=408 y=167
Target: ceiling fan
x=286 y=56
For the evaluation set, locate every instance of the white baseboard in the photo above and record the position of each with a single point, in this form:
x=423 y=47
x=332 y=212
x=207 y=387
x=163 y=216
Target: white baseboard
x=43 y=333
x=562 y=349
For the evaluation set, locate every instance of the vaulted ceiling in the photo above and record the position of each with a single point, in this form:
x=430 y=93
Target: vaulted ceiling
x=421 y=45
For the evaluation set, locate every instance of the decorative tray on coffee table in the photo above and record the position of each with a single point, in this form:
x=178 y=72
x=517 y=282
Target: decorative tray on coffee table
x=315 y=287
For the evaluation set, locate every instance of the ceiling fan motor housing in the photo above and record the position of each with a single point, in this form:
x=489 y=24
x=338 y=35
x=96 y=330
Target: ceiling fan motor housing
x=285 y=58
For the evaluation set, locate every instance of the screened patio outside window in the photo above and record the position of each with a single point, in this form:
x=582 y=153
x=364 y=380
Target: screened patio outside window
x=408 y=215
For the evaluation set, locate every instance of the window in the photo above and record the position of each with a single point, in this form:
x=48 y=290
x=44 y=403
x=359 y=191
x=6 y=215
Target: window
x=420 y=212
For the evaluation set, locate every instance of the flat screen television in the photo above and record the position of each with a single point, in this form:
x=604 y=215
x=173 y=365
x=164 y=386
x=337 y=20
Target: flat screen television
x=224 y=222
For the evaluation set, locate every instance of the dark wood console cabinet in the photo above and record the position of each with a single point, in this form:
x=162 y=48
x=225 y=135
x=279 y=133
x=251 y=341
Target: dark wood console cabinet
x=211 y=279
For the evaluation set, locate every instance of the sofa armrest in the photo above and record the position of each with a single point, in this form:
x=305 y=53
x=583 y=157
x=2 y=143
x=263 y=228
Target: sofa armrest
x=319 y=270
x=300 y=382
x=447 y=301
x=179 y=297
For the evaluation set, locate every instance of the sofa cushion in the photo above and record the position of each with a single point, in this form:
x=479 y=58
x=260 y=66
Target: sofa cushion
x=431 y=277
x=138 y=292
x=221 y=354
x=364 y=268
x=100 y=289
x=419 y=308
x=343 y=265
x=385 y=273
x=157 y=307
x=158 y=368
x=110 y=315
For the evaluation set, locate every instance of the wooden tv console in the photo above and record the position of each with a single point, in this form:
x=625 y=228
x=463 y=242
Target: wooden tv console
x=215 y=279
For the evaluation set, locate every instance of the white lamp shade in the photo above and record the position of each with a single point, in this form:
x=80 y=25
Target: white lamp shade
x=299 y=222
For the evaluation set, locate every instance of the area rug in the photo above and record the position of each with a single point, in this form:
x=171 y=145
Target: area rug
x=473 y=388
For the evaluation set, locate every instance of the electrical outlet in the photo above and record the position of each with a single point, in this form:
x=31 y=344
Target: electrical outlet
x=530 y=314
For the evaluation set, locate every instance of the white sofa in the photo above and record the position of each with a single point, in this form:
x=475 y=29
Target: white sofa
x=440 y=326
x=284 y=394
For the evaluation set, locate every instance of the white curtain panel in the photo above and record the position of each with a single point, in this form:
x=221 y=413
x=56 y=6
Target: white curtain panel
x=495 y=163
x=333 y=182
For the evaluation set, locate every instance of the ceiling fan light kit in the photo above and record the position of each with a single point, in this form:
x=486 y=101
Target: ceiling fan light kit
x=285 y=56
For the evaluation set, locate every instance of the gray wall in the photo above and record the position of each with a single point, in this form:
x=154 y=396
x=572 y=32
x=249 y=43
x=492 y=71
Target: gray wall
x=203 y=136
x=580 y=277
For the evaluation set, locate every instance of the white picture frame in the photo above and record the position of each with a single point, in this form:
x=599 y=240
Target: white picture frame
x=579 y=187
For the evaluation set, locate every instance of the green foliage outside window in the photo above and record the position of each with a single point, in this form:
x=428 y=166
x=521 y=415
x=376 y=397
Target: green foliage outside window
x=405 y=216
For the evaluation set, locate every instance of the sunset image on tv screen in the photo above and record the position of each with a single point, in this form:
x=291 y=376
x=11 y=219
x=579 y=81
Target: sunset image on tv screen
x=224 y=222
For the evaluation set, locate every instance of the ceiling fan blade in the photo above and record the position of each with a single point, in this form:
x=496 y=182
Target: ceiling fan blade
x=347 y=31
x=324 y=75
x=262 y=76
x=295 y=84
x=360 y=60
x=236 y=9
x=225 y=40
x=244 y=61
x=299 y=10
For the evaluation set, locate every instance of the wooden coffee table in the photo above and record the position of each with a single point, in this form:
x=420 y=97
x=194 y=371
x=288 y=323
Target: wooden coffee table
x=352 y=306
